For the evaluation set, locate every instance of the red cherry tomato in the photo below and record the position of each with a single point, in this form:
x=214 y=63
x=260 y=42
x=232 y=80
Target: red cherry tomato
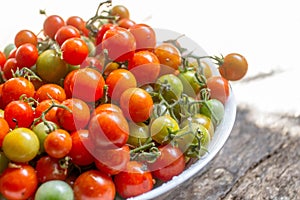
x=109 y=130
x=145 y=66
x=25 y=36
x=18 y=114
x=136 y=104
x=125 y=23
x=2 y=59
x=94 y=184
x=18 y=182
x=45 y=105
x=81 y=145
x=106 y=107
x=79 y=23
x=26 y=55
x=74 y=51
x=134 y=180
x=101 y=32
x=51 y=25
x=50 y=91
x=49 y=168
x=118 y=81
x=9 y=68
x=66 y=32
x=58 y=143
x=144 y=35
x=4 y=129
x=170 y=163
x=119 y=43
x=219 y=88
x=112 y=161
x=77 y=119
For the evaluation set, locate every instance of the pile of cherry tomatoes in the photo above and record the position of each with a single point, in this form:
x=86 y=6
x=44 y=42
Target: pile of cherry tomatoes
x=100 y=109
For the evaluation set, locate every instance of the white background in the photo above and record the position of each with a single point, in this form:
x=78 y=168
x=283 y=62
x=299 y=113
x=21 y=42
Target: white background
x=266 y=32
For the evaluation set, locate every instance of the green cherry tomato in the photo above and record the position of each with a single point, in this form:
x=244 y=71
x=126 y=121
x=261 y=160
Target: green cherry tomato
x=190 y=84
x=21 y=145
x=41 y=130
x=161 y=127
x=187 y=140
x=213 y=109
x=172 y=86
x=50 y=67
x=54 y=190
x=139 y=133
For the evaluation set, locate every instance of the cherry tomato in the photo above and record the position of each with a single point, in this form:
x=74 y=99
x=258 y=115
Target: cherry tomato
x=213 y=109
x=92 y=62
x=74 y=51
x=8 y=49
x=120 y=11
x=139 y=133
x=4 y=129
x=161 y=127
x=50 y=91
x=43 y=106
x=136 y=104
x=134 y=180
x=66 y=32
x=191 y=86
x=170 y=163
x=81 y=145
x=234 y=67
x=94 y=184
x=21 y=145
x=49 y=168
x=50 y=67
x=25 y=36
x=79 y=23
x=18 y=114
x=15 y=87
x=86 y=84
x=145 y=66
x=144 y=35
x=125 y=23
x=119 y=43
x=58 y=143
x=51 y=25
x=9 y=68
x=26 y=55
x=118 y=81
x=18 y=182
x=108 y=130
x=54 y=189
x=174 y=87
x=77 y=119
x=2 y=59
x=107 y=107
x=219 y=88
x=99 y=37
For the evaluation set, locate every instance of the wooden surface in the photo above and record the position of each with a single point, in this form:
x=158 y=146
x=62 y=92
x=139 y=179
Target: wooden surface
x=260 y=160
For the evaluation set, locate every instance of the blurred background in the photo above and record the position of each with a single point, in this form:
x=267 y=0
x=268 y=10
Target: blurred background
x=266 y=32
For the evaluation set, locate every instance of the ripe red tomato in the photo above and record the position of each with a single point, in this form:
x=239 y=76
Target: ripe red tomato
x=170 y=163
x=81 y=148
x=77 y=119
x=86 y=84
x=94 y=184
x=18 y=182
x=168 y=55
x=51 y=25
x=118 y=81
x=2 y=59
x=112 y=161
x=25 y=36
x=15 y=87
x=106 y=107
x=144 y=35
x=108 y=130
x=9 y=68
x=50 y=91
x=125 y=23
x=119 y=43
x=66 y=32
x=74 y=51
x=58 y=143
x=219 y=88
x=134 y=180
x=43 y=106
x=79 y=23
x=49 y=168
x=101 y=32
x=120 y=11
x=145 y=66
x=26 y=55
x=18 y=114
x=136 y=104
